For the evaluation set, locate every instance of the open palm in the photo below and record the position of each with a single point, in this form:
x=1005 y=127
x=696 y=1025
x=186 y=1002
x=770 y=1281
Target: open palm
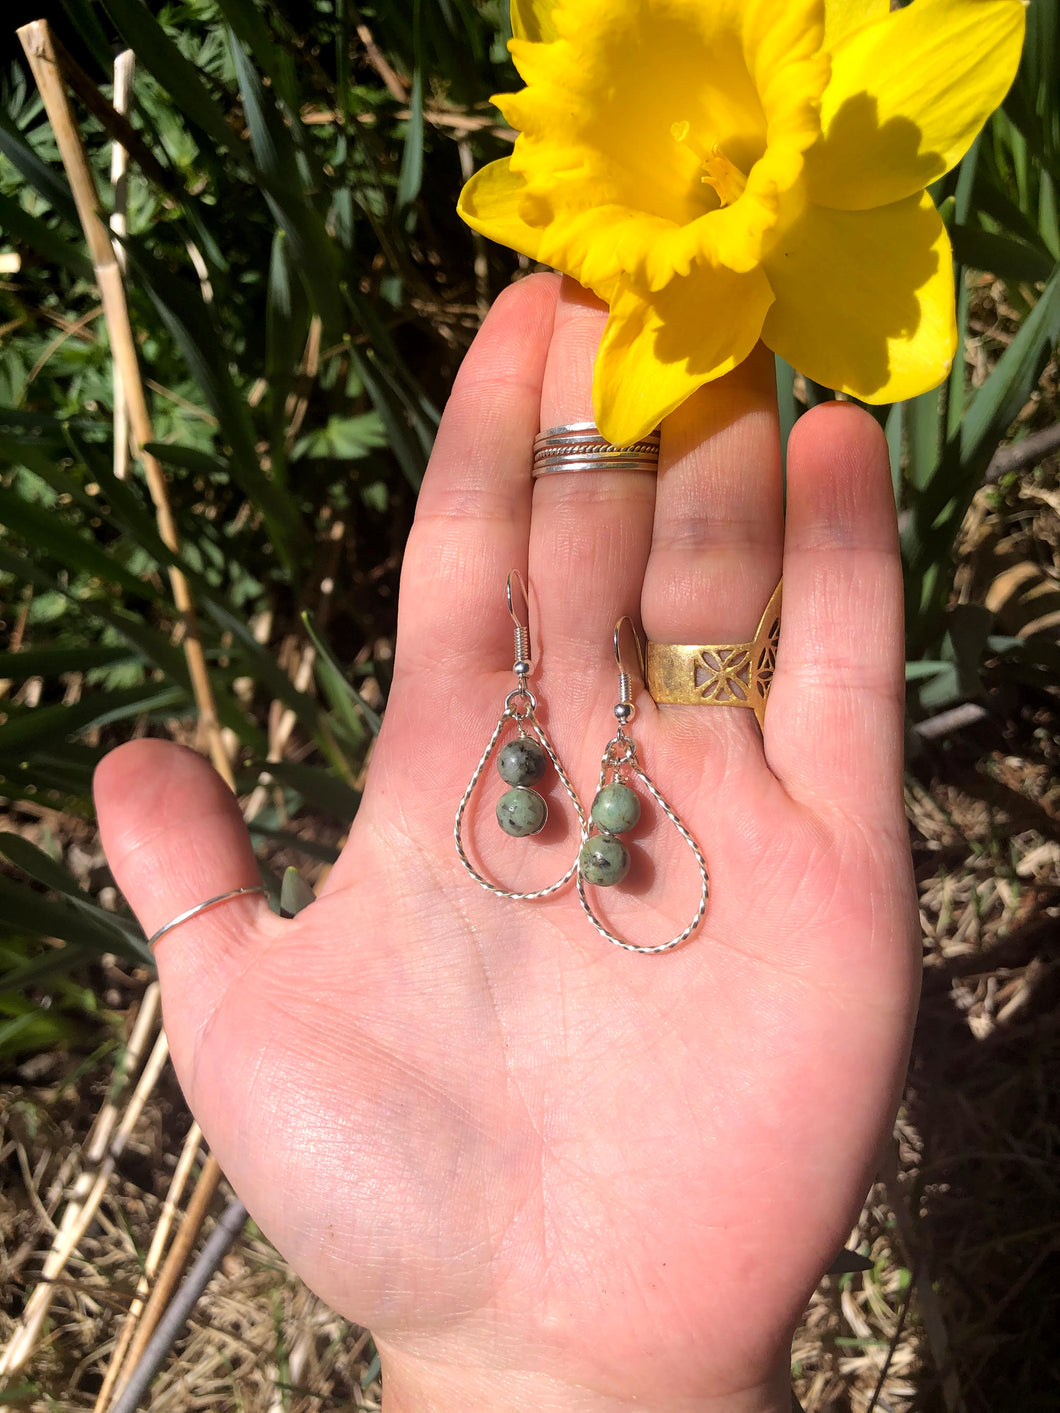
x=546 y=1172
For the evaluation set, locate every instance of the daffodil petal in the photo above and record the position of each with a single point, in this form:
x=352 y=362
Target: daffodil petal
x=842 y=17
x=490 y=202
x=908 y=95
x=658 y=348
x=532 y=19
x=864 y=299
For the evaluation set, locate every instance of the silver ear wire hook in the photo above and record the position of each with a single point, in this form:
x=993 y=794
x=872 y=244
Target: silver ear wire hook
x=522 y=666
x=521 y=762
x=603 y=859
x=625 y=711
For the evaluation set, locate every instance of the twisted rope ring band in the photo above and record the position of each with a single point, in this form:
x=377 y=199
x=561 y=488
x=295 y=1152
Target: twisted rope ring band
x=579 y=446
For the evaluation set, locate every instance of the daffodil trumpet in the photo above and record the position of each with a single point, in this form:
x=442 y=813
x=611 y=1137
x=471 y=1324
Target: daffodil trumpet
x=725 y=171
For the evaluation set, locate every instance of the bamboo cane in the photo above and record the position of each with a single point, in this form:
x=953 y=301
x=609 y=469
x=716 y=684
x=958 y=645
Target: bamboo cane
x=39 y=47
x=124 y=67
x=40 y=52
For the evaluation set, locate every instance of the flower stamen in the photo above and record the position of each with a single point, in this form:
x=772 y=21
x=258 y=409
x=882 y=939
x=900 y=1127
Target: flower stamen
x=726 y=179
x=724 y=176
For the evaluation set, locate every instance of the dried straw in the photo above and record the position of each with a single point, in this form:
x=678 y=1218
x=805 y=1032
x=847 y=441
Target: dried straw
x=41 y=53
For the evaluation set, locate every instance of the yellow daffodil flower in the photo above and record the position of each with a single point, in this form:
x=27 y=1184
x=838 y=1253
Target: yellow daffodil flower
x=724 y=171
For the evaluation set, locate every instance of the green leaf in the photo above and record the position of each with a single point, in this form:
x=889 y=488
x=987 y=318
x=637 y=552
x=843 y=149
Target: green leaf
x=247 y=21
x=966 y=174
x=263 y=665
x=49 y=183
x=344 y=698
x=894 y=428
x=39 y=865
x=923 y=436
x=40 y=429
x=995 y=203
x=1000 y=255
x=168 y=66
x=925 y=667
x=24 y=728
x=788 y=405
x=848 y=1261
x=58 y=774
x=277 y=160
x=122 y=504
x=54 y=662
x=47 y=964
x=202 y=344
x=977 y=435
x=288 y=839
x=969 y=628
x=286 y=332
x=47 y=533
x=344 y=438
x=999 y=401
x=33 y=1029
x=295 y=893
x=190 y=458
x=19 y=227
x=392 y=412
x=42 y=868
x=410 y=178
x=83 y=19
x=319 y=788
x=940 y=691
x=61 y=918
x=155 y=646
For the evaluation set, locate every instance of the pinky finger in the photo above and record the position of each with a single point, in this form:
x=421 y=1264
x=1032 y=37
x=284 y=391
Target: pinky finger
x=834 y=729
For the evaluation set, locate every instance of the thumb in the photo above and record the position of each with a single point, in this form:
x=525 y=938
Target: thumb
x=174 y=836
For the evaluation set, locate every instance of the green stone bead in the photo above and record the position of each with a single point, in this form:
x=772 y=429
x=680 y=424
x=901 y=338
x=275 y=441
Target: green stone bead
x=616 y=809
x=521 y=762
x=521 y=812
x=603 y=860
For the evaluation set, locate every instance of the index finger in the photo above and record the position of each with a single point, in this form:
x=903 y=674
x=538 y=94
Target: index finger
x=472 y=523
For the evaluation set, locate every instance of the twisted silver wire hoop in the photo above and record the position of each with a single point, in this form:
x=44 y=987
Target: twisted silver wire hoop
x=523 y=719
x=701 y=862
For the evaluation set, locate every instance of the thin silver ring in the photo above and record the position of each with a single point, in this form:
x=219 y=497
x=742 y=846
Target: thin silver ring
x=580 y=446
x=203 y=907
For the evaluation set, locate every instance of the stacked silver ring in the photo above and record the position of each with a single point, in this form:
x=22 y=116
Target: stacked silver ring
x=578 y=446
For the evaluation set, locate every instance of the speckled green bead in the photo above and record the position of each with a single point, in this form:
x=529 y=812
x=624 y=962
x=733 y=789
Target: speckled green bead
x=603 y=860
x=616 y=809
x=521 y=812
x=521 y=762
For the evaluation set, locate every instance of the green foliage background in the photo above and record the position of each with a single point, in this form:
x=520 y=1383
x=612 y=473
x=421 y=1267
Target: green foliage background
x=293 y=193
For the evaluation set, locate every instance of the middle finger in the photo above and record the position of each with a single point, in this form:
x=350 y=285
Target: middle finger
x=590 y=530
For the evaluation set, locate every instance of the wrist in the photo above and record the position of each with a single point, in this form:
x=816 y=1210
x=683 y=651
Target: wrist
x=412 y=1384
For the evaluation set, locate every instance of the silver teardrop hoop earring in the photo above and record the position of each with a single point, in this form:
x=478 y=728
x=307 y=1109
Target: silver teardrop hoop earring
x=521 y=762
x=604 y=860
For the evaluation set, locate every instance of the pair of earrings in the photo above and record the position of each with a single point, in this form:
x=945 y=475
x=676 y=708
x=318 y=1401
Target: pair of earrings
x=603 y=859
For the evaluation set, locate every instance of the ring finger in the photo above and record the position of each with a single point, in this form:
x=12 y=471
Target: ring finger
x=718 y=539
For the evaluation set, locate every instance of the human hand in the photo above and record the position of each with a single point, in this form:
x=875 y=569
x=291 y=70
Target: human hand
x=545 y=1172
